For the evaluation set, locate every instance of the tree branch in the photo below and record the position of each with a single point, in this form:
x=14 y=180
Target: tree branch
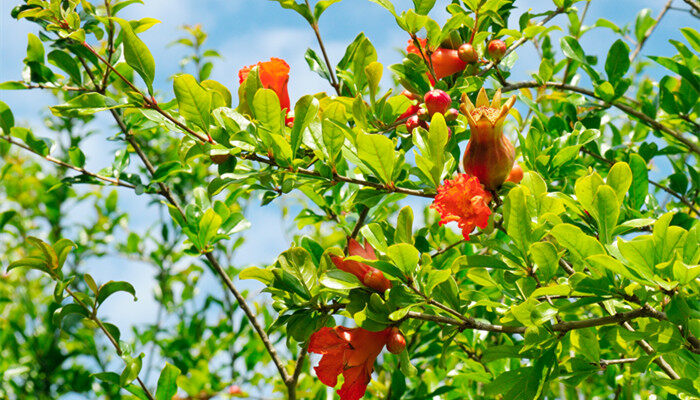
x=563 y=327
x=115 y=182
x=622 y=107
x=314 y=26
x=650 y=31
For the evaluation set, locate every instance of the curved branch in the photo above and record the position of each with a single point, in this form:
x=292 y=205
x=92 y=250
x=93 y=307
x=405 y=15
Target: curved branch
x=622 y=107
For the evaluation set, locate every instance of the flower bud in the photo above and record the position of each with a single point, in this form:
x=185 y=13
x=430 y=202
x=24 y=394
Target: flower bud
x=375 y=279
x=437 y=101
x=451 y=114
x=396 y=342
x=468 y=54
x=516 y=174
x=496 y=49
x=414 y=122
x=489 y=155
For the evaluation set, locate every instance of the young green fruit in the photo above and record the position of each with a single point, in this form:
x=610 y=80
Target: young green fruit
x=468 y=54
x=397 y=342
x=437 y=101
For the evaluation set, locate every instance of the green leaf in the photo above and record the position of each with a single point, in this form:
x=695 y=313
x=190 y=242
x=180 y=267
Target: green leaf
x=263 y=275
x=333 y=133
x=64 y=61
x=300 y=8
x=423 y=7
x=112 y=287
x=359 y=54
x=85 y=104
x=404 y=256
x=377 y=152
x=35 y=50
x=76 y=156
x=374 y=73
x=137 y=54
x=604 y=261
x=516 y=218
x=572 y=49
x=585 y=342
x=620 y=179
x=305 y=111
x=640 y=181
x=7 y=120
x=340 y=280
x=693 y=37
x=578 y=243
x=618 y=61
x=298 y=262
x=321 y=6
x=404 y=226
x=209 y=225
x=5 y=217
x=606 y=210
x=165 y=170
x=30 y=262
x=167 y=382
x=72 y=308
x=545 y=256
x=680 y=69
x=316 y=65
x=194 y=102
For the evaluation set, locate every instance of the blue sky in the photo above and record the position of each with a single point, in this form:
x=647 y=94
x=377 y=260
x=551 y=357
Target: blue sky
x=247 y=31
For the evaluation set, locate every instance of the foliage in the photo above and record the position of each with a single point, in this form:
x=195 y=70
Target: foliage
x=583 y=282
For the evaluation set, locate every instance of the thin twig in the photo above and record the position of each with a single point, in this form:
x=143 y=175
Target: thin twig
x=649 y=31
x=115 y=182
x=314 y=26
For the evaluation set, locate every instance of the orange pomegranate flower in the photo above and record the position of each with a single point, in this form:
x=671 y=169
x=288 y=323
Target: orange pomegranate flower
x=369 y=276
x=445 y=61
x=463 y=200
x=347 y=351
x=274 y=74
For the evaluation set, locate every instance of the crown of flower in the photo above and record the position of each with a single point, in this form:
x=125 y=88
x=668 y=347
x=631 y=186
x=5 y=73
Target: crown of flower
x=493 y=113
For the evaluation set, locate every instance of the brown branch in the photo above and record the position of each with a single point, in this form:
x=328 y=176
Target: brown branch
x=622 y=107
x=314 y=26
x=649 y=31
x=470 y=323
x=341 y=178
x=115 y=182
x=360 y=222
x=605 y=363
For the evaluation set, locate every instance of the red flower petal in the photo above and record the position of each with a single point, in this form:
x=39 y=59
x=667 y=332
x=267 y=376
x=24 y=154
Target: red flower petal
x=463 y=200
